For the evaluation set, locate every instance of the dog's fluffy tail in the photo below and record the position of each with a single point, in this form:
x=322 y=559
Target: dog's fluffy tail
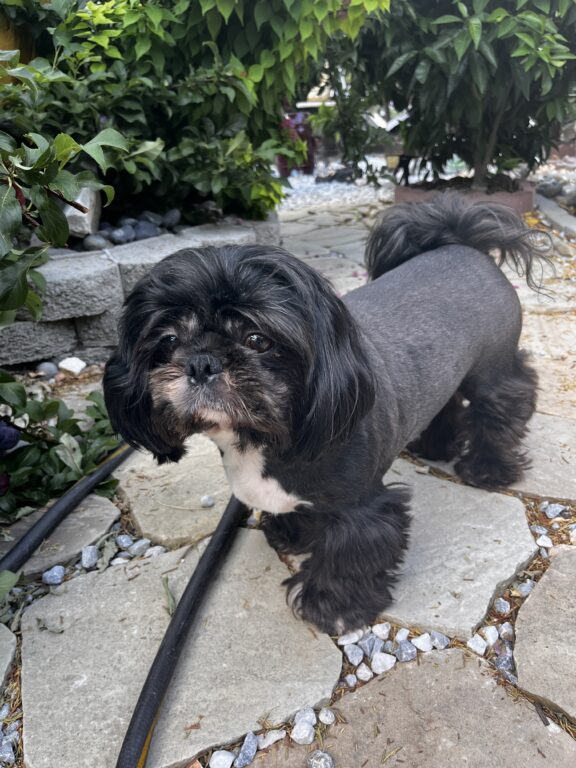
x=409 y=229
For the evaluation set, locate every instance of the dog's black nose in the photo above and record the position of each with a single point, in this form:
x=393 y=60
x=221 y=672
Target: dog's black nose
x=202 y=367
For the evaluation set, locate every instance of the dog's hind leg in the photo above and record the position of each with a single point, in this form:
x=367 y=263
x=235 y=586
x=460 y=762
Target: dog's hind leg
x=442 y=438
x=495 y=425
x=346 y=582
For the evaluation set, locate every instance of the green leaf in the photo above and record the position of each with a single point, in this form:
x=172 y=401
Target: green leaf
x=106 y=138
x=422 y=71
x=13 y=277
x=225 y=7
x=154 y=14
x=262 y=13
x=7 y=143
x=235 y=142
x=256 y=72
x=13 y=394
x=65 y=148
x=488 y=52
x=7 y=581
x=143 y=45
x=10 y=219
x=69 y=452
x=447 y=19
x=475 y=30
x=461 y=44
x=54 y=228
x=400 y=61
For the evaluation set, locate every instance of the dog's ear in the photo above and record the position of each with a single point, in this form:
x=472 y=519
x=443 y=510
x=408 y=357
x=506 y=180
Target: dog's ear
x=340 y=386
x=131 y=412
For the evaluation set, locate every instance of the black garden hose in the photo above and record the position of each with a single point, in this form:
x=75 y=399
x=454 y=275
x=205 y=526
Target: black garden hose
x=15 y=558
x=139 y=734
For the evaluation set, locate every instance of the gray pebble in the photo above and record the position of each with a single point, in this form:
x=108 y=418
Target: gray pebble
x=510 y=677
x=207 y=501
x=364 y=673
x=555 y=526
x=350 y=637
x=319 y=759
x=401 y=635
x=501 y=606
x=525 y=588
x=118 y=561
x=388 y=646
x=327 y=716
x=382 y=630
x=145 y=229
x=268 y=738
x=539 y=529
x=506 y=631
x=550 y=188
x=95 y=243
x=382 y=662
x=554 y=510
x=89 y=556
x=544 y=554
x=222 y=759
x=150 y=216
x=7 y=753
x=47 y=370
x=127 y=221
x=307 y=715
x=122 y=235
x=477 y=644
x=124 y=541
x=368 y=643
x=171 y=218
x=351 y=681
x=544 y=541
x=13 y=727
x=504 y=663
x=4 y=712
x=354 y=654
x=54 y=575
x=247 y=751
x=139 y=547
x=406 y=651
x=302 y=733
x=155 y=551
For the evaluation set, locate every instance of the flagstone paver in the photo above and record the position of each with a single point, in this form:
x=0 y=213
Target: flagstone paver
x=464 y=545
x=551 y=445
x=165 y=500
x=87 y=652
x=7 y=651
x=545 y=649
x=91 y=520
x=445 y=712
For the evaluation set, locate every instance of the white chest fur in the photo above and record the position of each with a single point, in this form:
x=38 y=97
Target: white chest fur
x=244 y=470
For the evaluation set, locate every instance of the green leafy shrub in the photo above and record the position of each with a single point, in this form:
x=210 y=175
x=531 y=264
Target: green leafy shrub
x=198 y=88
x=33 y=182
x=57 y=449
x=43 y=448
x=487 y=80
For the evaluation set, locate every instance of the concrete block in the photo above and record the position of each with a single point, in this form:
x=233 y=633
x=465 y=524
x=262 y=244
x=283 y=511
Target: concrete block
x=79 y=286
x=26 y=342
x=136 y=259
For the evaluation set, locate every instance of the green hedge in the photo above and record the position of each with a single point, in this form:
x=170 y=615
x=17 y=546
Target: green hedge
x=197 y=87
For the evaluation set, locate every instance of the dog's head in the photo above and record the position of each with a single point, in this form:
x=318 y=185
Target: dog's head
x=246 y=338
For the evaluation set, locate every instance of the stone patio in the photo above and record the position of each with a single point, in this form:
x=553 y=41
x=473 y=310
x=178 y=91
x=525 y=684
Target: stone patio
x=249 y=665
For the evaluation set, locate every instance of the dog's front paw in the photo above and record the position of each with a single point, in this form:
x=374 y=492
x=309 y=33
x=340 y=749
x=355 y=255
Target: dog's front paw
x=332 y=607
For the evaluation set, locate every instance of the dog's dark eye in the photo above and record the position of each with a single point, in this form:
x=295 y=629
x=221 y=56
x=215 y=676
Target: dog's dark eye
x=168 y=341
x=257 y=342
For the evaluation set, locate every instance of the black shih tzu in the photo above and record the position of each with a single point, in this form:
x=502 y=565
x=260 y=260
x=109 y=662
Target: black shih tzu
x=310 y=397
